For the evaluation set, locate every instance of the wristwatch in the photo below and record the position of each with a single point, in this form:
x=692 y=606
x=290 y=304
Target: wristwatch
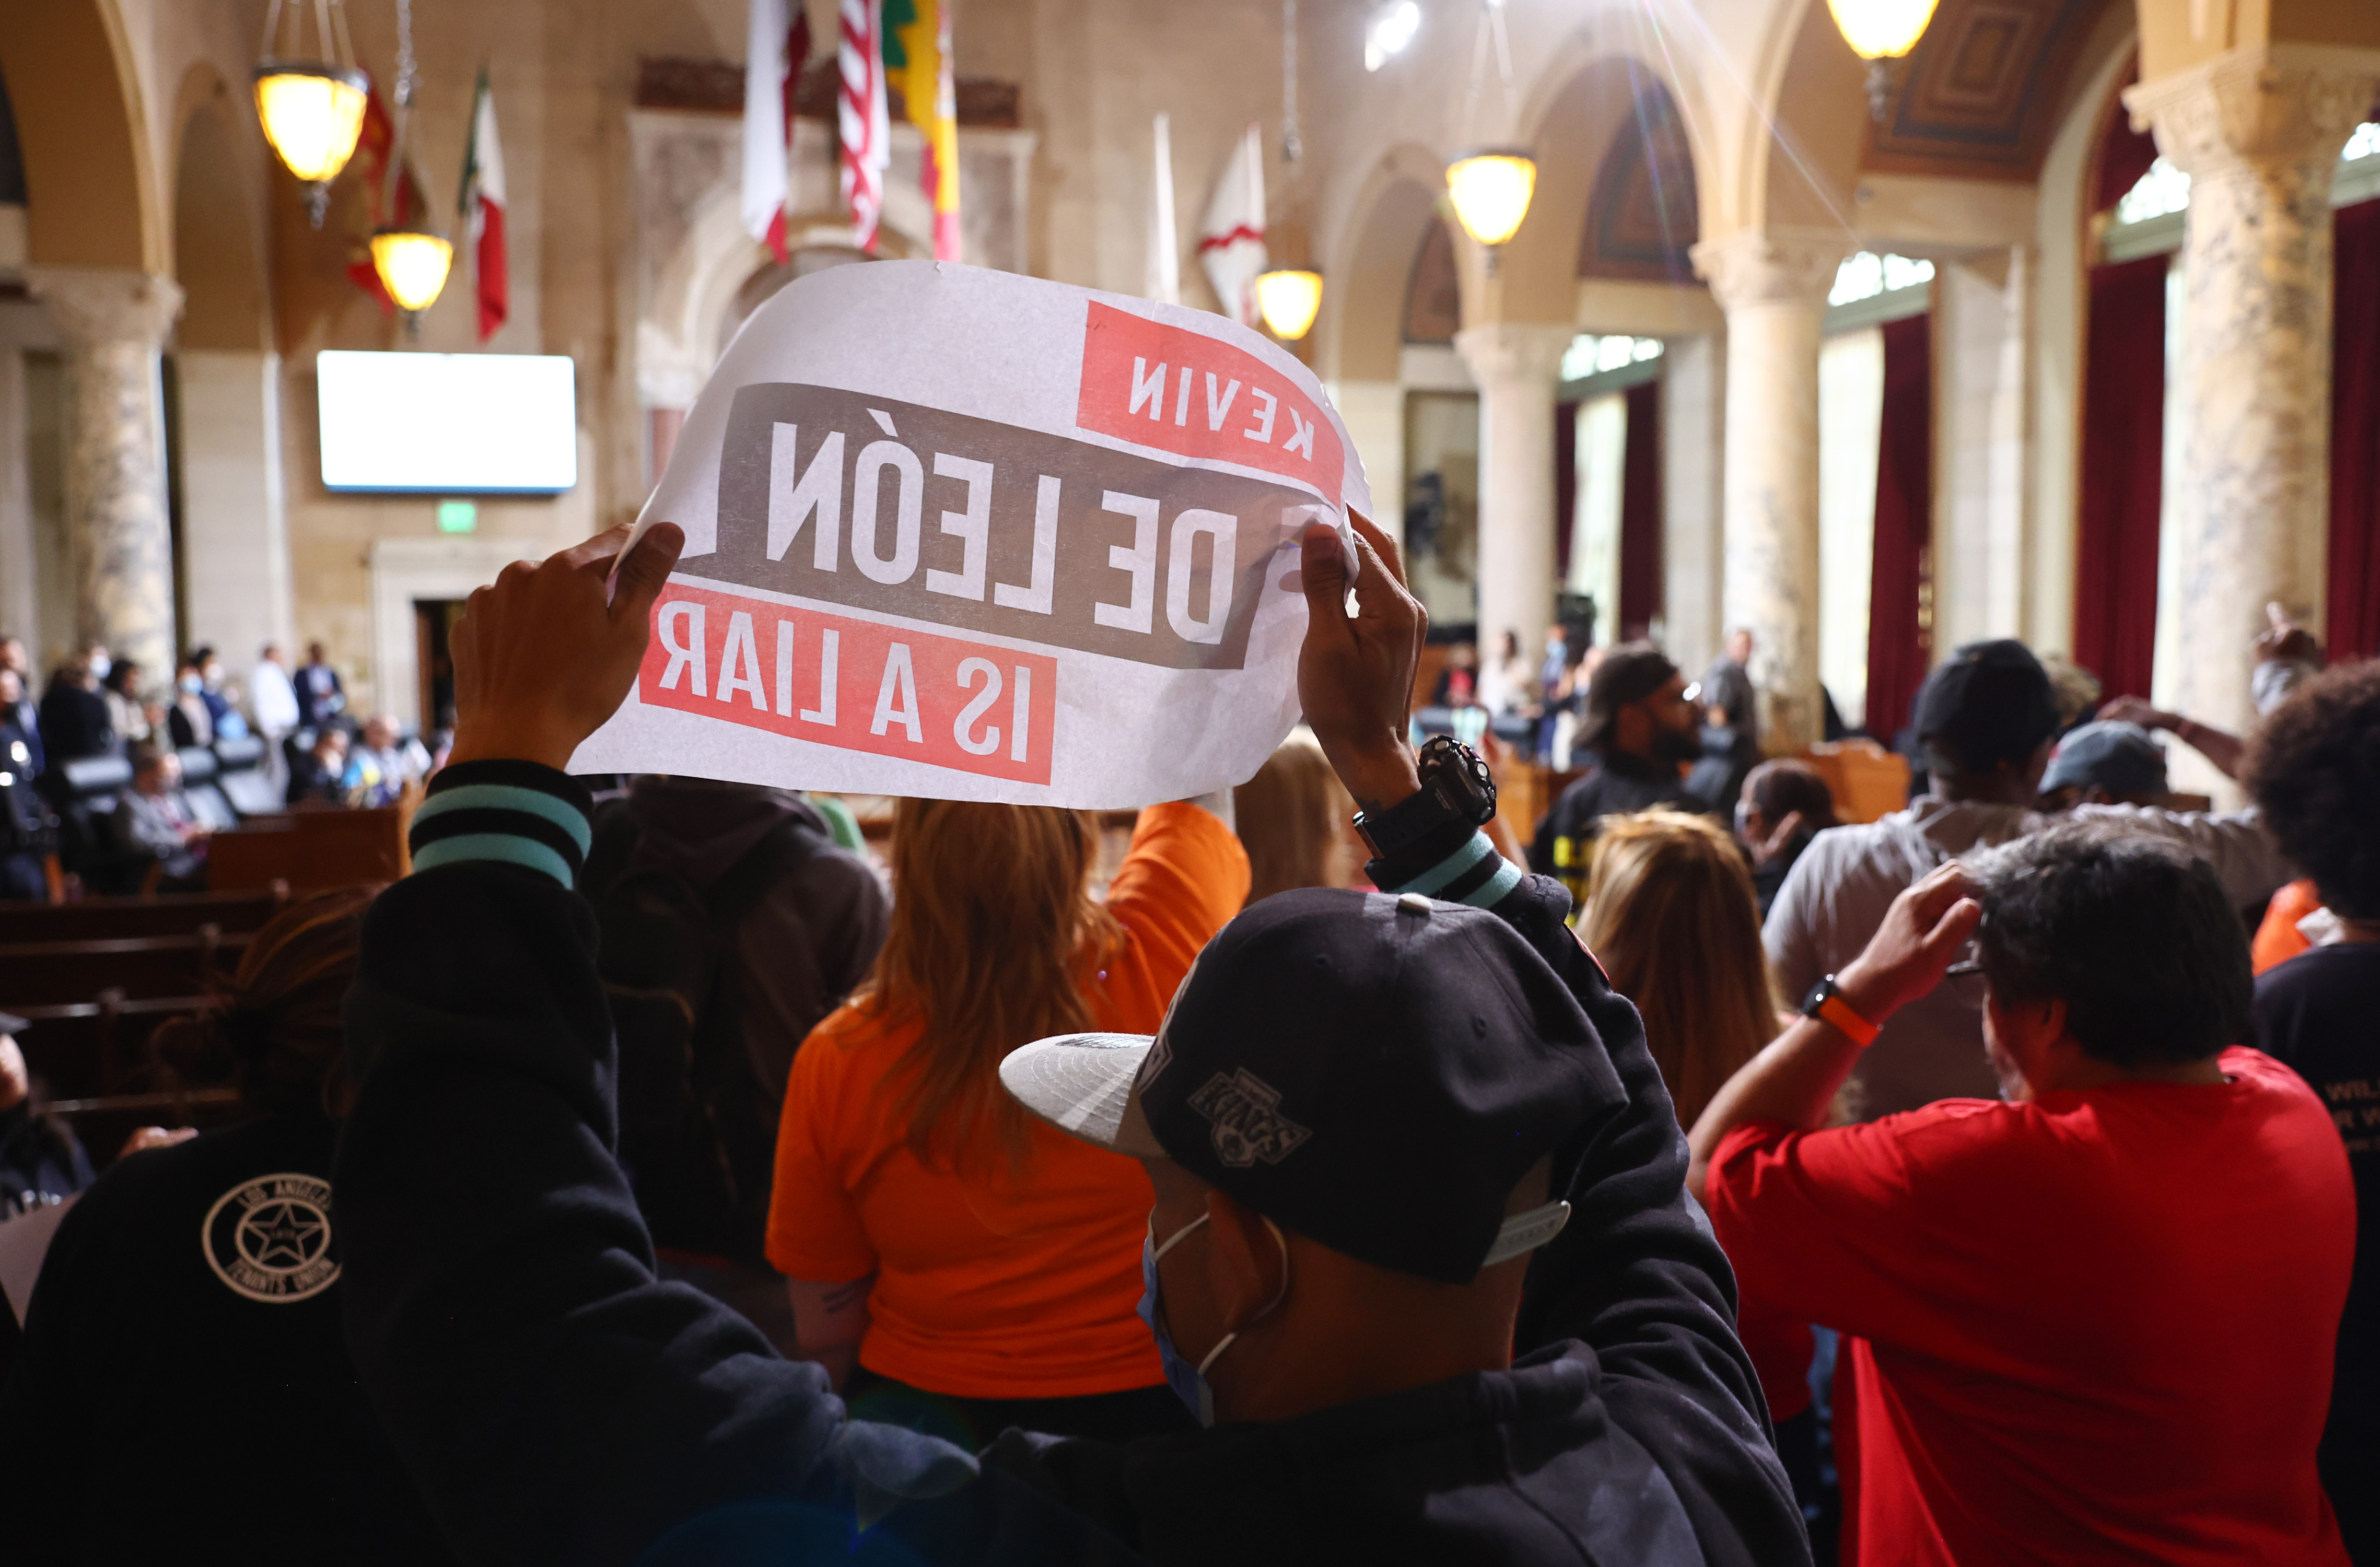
x=1458 y=797
x=1825 y=1003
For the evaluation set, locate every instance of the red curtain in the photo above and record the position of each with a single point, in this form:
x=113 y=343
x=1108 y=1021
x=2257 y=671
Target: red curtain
x=1896 y=639
x=2123 y=458
x=2352 y=620
x=1640 y=513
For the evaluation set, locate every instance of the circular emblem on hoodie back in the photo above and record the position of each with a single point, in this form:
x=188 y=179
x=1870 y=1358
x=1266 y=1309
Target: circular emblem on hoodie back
x=270 y=1239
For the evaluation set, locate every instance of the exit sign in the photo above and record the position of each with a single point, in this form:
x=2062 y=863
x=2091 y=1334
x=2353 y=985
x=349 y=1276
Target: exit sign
x=457 y=516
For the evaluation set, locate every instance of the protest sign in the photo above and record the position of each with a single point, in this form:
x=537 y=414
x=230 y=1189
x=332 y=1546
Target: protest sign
x=968 y=535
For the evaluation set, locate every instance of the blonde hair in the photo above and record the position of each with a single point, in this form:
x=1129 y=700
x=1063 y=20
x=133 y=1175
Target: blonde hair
x=991 y=916
x=1670 y=914
x=1292 y=818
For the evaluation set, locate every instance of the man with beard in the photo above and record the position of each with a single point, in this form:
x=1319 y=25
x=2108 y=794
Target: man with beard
x=1640 y=728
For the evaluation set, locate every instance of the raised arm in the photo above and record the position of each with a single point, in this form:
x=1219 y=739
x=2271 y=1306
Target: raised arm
x=1637 y=1274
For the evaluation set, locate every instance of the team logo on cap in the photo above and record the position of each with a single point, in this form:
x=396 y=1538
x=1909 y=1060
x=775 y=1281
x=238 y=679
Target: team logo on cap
x=270 y=1238
x=1245 y=1112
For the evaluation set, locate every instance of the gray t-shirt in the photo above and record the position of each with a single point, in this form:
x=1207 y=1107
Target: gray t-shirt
x=1838 y=892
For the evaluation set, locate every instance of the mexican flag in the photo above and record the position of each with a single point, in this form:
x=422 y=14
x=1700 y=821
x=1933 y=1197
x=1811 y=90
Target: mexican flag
x=481 y=208
x=918 y=56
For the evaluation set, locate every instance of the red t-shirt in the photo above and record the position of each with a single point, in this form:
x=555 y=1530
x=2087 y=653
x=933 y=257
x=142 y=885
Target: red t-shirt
x=2101 y=1324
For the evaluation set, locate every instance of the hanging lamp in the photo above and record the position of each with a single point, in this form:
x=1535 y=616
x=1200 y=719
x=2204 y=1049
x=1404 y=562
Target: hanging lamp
x=412 y=259
x=1491 y=188
x=311 y=101
x=1289 y=295
x=1881 y=32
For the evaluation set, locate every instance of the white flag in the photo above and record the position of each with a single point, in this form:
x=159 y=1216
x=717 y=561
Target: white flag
x=764 y=123
x=1164 y=283
x=1231 y=242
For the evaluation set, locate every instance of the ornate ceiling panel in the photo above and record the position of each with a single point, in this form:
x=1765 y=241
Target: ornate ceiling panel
x=1979 y=94
x=1641 y=220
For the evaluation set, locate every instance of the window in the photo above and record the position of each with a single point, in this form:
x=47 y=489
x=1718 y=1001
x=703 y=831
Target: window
x=1867 y=274
x=1590 y=355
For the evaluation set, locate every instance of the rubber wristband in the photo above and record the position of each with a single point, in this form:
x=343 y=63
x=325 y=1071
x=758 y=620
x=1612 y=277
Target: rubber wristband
x=1854 y=1027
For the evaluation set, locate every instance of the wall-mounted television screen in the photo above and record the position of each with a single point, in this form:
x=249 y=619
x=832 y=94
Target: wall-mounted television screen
x=449 y=424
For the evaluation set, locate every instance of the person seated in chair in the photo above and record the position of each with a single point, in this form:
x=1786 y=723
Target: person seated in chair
x=317 y=773
x=153 y=820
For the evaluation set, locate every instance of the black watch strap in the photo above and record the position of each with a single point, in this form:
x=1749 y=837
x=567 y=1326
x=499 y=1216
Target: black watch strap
x=1457 y=798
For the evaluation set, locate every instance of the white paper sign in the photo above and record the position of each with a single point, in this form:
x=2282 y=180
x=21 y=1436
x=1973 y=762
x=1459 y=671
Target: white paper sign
x=967 y=535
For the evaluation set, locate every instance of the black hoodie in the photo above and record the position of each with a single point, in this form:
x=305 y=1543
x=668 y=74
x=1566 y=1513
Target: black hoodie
x=558 y=1404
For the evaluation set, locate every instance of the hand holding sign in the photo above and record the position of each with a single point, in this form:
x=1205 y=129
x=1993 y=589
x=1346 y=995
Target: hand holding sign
x=968 y=535
x=542 y=659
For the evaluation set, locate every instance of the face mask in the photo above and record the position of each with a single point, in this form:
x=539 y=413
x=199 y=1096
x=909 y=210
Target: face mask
x=192 y=684
x=99 y=668
x=1188 y=1382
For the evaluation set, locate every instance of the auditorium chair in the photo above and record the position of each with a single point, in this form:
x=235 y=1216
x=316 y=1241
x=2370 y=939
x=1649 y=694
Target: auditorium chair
x=198 y=788
x=83 y=793
x=240 y=775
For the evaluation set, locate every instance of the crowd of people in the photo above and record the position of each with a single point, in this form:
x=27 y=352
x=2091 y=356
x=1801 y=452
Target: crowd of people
x=1715 y=1180
x=314 y=754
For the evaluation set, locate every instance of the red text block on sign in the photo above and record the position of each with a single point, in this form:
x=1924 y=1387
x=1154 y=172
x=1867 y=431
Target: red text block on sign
x=854 y=684
x=1185 y=392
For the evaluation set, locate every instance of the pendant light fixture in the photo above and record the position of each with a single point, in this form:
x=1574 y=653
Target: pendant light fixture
x=1491 y=188
x=310 y=98
x=412 y=260
x=1881 y=32
x=1288 y=293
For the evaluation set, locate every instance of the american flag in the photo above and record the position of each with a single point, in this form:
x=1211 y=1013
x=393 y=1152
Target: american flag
x=860 y=117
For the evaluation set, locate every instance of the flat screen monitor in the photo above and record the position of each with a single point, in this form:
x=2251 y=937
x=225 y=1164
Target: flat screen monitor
x=449 y=424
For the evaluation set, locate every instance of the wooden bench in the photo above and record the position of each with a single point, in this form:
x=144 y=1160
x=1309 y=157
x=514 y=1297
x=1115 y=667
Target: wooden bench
x=78 y=1049
x=35 y=974
x=311 y=850
x=168 y=914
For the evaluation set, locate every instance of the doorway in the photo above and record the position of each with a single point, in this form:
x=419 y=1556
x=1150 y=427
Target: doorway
x=433 y=624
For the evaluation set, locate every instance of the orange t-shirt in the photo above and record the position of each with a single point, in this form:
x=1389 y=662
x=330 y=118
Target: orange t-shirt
x=2279 y=939
x=999 y=1284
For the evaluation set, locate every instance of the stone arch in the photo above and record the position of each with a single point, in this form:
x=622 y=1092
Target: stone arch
x=218 y=252
x=1800 y=163
x=90 y=186
x=1585 y=103
x=1362 y=329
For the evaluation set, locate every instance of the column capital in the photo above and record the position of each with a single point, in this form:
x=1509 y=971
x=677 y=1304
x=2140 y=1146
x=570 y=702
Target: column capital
x=97 y=305
x=1772 y=266
x=2267 y=104
x=1505 y=351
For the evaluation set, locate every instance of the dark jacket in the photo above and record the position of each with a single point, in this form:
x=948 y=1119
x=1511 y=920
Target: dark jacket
x=75 y=724
x=317 y=708
x=1617 y=782
x=41 y=1160
x=559 y=1405
x=309 y=780
x=182 y=1393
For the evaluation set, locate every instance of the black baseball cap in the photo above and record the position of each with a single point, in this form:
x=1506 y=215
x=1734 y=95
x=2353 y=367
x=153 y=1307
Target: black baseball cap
x=2118 y=757
x=1629 y=672
x=1990 y=702
x=1375 y=1073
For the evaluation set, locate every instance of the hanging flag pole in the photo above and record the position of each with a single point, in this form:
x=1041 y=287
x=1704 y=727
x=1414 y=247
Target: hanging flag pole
x=860 y=117
x=1164 y=280
x=480 y=210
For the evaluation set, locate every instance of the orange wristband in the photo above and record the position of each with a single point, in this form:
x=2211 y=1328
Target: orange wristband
x=1854 y=1027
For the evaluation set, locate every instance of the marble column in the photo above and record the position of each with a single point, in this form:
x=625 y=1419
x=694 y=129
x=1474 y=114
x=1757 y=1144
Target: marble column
x=1772 y=283
x=1374 y=412
x=2259 y=132
x=1516 y=364
x=114 y=321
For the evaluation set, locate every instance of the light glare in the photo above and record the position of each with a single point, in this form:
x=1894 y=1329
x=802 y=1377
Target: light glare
x=311 y=116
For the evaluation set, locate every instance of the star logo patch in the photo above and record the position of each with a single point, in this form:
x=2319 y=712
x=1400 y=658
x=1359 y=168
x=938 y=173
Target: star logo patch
x=269 y=1239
